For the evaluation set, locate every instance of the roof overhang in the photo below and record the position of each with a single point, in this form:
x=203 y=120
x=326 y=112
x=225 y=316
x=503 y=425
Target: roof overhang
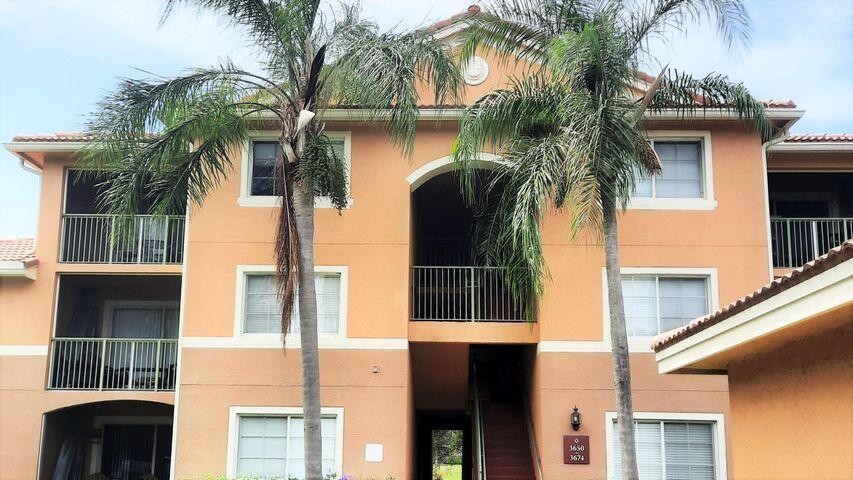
x=806 y=308
x=812 y=147
x=19 y=268
x=31 y=153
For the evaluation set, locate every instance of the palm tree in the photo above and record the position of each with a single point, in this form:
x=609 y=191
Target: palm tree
x=165 y=140
x=570 y=132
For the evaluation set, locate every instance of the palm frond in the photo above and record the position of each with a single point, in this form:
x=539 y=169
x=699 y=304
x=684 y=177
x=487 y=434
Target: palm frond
x=323 y=170
x=528 y=108
x=524 y=29
x=280 y=28
x=686 y=94
x=381 y=73
x=653 y=19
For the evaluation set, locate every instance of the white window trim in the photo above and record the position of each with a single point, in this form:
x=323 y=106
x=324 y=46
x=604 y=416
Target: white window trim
x=644 y=344
x=111 y=305
x=707 y=202
x=716 y=419
x=291 y=340
x=246 y=199
x=235 y=412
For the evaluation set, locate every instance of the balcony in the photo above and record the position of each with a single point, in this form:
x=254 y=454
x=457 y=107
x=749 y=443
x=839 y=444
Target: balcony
x=91 y=238
x=810 y=214
x=462 y=294
x=115 y=332
x=797 y=241
x=113 y=364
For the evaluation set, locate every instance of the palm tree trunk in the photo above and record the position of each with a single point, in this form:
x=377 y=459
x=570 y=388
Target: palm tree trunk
x=303 y=207
x=619 y=342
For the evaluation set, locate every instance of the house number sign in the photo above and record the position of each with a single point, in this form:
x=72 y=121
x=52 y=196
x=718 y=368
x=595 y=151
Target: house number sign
x=576 y=449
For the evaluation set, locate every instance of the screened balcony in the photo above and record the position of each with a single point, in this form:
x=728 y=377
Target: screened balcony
x=115 y=440
x=447 y=283
x=810 y=214
x=90 y=236
x=115 y=333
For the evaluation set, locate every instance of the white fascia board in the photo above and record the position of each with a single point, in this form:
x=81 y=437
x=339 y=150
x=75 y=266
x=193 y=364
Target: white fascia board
x=17 y=269
x=16 y=147
x=715 y=114
x=343 y=114
x=812 y=147
x=822 y=293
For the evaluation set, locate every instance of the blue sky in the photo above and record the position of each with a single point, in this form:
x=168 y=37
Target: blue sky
x=58 y=57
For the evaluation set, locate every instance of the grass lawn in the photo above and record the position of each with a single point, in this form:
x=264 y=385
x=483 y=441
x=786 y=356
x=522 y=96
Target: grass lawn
x=448 y=472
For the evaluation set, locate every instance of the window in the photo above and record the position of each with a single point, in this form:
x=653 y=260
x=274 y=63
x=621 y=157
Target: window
x=681 y=171
x=264 y=153
x=140 y=319
x=671 y=450
x=272 y=446
x=262 y=309
x=657 y=303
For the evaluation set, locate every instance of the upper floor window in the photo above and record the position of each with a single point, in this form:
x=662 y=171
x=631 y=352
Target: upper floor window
x=686 y=179
x=671 y=450
x=657 y=303
x=272 y=446
x=262 y=308
x=681 y=171
x=260 y=181
x=264 y=178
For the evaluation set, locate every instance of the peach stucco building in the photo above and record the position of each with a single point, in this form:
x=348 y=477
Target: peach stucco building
x=161 y=355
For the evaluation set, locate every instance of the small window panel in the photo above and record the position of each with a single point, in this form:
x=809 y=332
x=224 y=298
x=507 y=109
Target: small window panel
x=273 y=446
x=657 y=303
x=262 y=308
x=681 y=171
x=671 y=450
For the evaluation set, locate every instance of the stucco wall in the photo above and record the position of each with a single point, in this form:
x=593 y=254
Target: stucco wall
x=792 y=410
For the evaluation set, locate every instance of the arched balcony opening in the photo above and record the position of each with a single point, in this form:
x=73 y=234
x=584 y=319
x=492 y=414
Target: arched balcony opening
x=450 y=280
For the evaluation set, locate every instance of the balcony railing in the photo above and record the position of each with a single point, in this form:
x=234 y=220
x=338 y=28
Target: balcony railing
x=90 y=238
x=463 y=294
x=797 y=241
x=113 y=364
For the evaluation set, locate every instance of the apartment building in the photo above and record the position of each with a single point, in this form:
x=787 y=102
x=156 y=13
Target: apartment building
x=162 y=355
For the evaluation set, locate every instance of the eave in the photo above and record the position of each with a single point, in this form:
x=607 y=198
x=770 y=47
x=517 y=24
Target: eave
x=19 y=268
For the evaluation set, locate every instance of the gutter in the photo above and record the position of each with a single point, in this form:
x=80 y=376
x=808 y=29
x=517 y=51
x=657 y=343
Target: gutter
x=812 y=147
x=19 y=268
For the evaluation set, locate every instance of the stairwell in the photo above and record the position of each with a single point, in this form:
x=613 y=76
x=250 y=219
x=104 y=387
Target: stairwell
x=507 y=446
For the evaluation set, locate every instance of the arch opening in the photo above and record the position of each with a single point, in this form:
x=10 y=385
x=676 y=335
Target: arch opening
x=121 y=439
x=450 y=280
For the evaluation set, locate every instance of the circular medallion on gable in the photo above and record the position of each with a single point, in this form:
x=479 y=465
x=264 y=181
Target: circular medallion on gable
x=475 y=71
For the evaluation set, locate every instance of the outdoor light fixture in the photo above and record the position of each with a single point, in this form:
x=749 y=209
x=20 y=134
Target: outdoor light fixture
x=576 y=419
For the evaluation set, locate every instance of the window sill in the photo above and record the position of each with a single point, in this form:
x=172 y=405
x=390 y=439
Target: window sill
x=672 y=204
x=275 y=202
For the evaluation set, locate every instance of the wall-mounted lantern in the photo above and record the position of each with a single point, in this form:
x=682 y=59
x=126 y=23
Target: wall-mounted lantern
x=576 y=419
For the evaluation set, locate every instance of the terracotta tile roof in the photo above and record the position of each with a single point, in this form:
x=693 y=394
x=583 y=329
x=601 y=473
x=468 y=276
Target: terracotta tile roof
x=819 y=137
x=17 y=250
x=53 y=137
x=780 y=103
x=836 y=256
x=468 y=13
